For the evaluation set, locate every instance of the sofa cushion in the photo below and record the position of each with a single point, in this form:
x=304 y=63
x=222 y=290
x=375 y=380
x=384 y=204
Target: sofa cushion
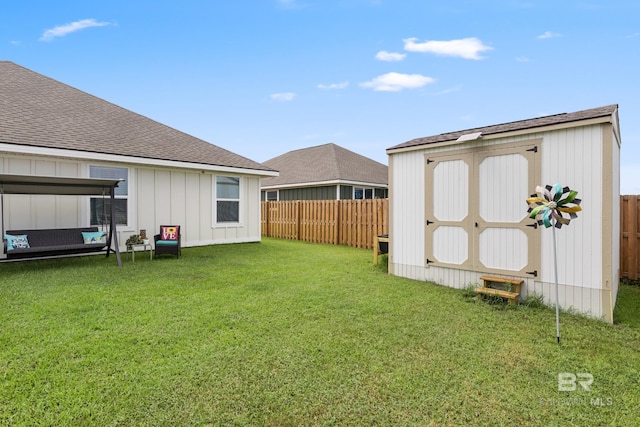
x=169 y=232
x=93 y=237
x=16 y=242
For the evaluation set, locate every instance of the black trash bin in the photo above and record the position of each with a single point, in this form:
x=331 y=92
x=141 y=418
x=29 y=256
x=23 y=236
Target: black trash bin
x=383 y=246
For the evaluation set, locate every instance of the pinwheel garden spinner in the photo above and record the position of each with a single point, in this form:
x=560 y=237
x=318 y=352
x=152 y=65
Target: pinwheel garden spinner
x=551 y=203
x=549 y=206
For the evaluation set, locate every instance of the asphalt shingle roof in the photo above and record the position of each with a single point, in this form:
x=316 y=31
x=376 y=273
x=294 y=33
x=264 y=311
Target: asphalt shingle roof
x=38 y=111
x=328 y=162
x=555 y=119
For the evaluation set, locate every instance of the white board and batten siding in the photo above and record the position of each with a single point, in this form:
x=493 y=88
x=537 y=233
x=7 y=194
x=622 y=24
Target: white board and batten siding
x=475 y=197
x=188 y=198
x=157 y=196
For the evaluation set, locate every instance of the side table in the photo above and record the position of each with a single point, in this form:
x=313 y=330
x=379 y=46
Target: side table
x=144 y=246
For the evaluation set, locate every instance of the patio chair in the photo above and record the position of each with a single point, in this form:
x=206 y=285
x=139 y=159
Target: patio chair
x=168 y=241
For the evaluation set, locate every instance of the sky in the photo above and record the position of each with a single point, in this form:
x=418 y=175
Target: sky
x=264 y=77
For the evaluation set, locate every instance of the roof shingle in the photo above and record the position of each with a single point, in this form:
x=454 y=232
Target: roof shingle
x=38 y=111
x=514 y=126
x=328 y=162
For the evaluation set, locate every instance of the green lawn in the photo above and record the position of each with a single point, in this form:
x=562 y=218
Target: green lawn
x=285 y=333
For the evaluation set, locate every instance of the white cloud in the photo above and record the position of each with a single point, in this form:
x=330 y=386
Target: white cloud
x=522 y=59
x=468 y=48
x=395 y=82
x=284 y=96
x=450 y=90
x=333 y=86
x=63 y=30
x=383 y=55
x=548 y=35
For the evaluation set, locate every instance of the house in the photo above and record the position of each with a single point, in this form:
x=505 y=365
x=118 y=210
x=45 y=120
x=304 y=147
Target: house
x=325 y=172
x=50 y=129
x=457 y=207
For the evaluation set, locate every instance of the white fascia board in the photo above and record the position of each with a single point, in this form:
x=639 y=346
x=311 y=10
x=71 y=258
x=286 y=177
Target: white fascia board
x=320 y=183
x=101 y=157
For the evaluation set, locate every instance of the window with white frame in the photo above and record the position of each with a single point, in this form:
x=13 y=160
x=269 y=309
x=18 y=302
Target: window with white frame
x=272 y=196
x=100 y=207
x=360 y=193
x=227 y=199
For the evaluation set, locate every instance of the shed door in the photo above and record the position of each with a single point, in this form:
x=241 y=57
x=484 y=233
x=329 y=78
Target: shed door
x=476 y=210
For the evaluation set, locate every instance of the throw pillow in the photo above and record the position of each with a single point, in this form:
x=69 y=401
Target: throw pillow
x=93 y=237
x=16 y=242
x=169 y=233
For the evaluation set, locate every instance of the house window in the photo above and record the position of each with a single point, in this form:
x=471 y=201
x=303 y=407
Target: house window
x=362 y=193
x=100 y=207
x=272 y=196
x=227 y=199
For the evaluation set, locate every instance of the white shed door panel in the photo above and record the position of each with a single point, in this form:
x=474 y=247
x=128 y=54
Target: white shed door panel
x=503 y=179
x=503 y=249
x=449 y=237
x=451 y=190
x=451 y=245
x=476 y=211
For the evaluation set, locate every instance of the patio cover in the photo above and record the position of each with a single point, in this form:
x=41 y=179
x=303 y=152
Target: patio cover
x=56 y=185
x=33 y=184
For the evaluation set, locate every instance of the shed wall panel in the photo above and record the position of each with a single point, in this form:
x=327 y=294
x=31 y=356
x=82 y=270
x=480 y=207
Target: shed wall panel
x=407 y=209
x=572 y=157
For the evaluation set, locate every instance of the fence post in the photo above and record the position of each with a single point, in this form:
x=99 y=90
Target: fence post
x=266 y=217
x=298 y=222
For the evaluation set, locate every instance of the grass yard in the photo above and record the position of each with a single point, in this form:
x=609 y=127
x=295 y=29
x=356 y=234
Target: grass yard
x=284 y=333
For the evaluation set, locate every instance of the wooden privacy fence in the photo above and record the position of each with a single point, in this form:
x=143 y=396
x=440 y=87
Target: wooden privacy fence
x=339 y=222
x=630 y=237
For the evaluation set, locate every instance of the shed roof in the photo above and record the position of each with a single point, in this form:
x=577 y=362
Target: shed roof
x=38 y=111
x=325 y=163
x=556 y=119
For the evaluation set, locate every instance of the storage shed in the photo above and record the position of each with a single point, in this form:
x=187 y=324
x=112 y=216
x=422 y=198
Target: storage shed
x=458 y=211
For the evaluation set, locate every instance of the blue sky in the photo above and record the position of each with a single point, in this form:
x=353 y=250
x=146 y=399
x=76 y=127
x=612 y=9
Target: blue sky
x=264 y=77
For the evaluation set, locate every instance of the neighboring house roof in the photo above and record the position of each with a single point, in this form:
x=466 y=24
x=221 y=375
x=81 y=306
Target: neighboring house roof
x=38 y=111
x=556 y=119
x=325 y=164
